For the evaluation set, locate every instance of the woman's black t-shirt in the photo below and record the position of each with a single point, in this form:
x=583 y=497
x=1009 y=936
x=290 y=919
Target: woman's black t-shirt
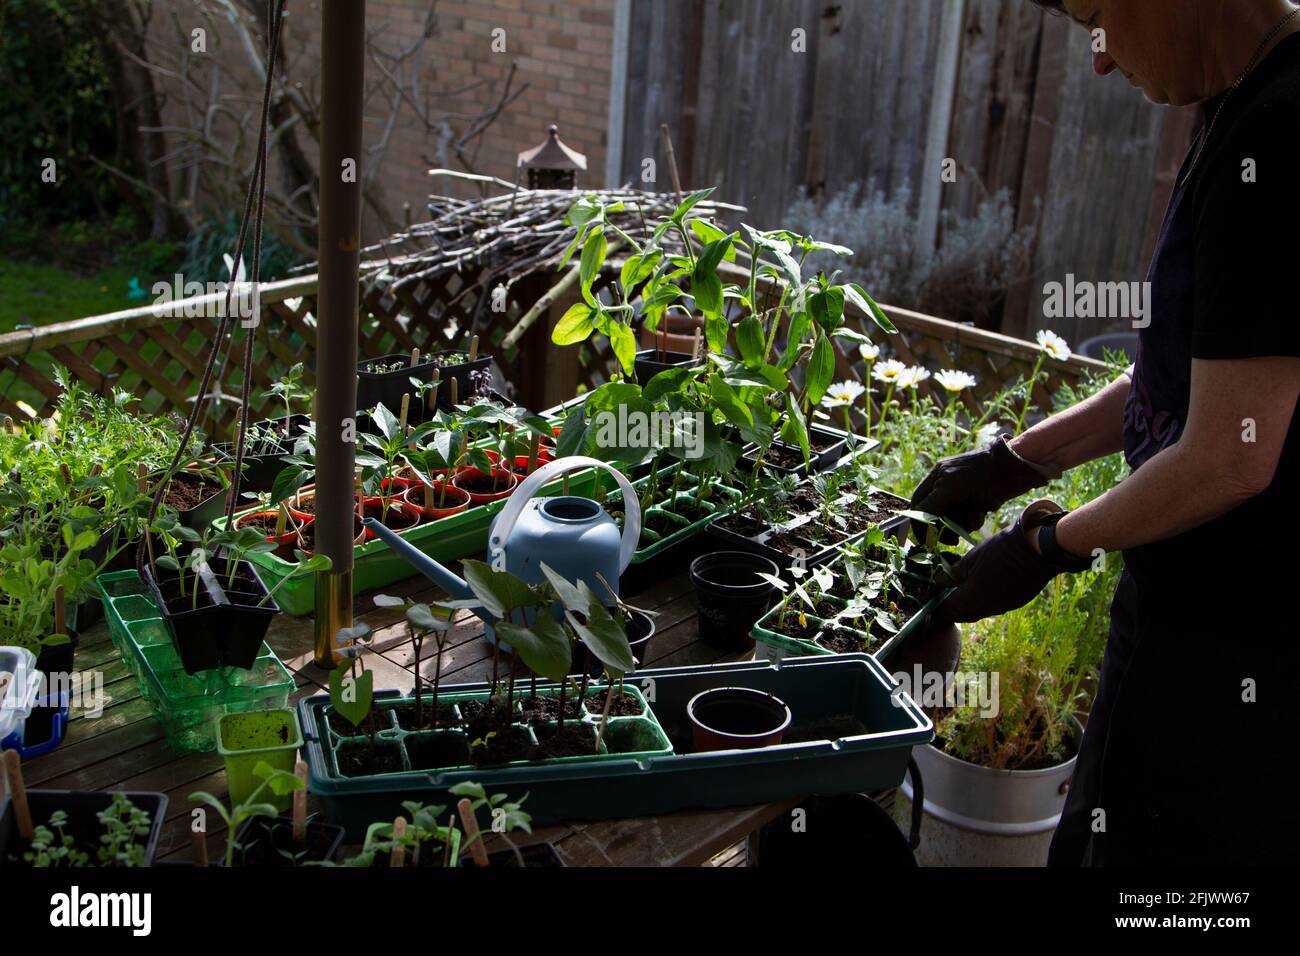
x=1197 y=744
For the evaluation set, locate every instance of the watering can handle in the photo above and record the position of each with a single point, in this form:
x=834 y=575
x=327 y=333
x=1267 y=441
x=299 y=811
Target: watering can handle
x=505 y=524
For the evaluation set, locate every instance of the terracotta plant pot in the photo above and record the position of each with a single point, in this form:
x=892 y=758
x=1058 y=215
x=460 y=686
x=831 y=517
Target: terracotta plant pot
x=284 y=543
x=453 y=501
x=503 y=480
x=399 y=515
x=307 y=546
x=519 y=465
x=730 y=718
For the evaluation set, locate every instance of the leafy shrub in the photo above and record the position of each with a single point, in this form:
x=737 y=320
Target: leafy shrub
x=56 y=101
x=216 y=237
x=965 y=279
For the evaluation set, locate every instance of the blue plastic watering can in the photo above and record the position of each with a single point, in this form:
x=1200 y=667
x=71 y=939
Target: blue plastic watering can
x=574 y=536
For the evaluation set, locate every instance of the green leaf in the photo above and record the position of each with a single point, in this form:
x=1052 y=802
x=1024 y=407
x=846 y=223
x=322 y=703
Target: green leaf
x=729 y=403
x=711 y=255
x=572 y=433
x=858 y=296
x=795 y=429
x=352 y=710
x=605 y=638
x=288 y=481
x=422 y=618
x=679 y=214
x=799 y=325
x=570 y=595
x=821 y=369
x=707 y=290
x=385 y=421
x=623 y=342
x=500 y=591
x=708 y=232
x=827 y=308
x=715 y=332
x=576 y=325
x=544 y=647
x=666 y=382
x=749 y=340
x=593 y=257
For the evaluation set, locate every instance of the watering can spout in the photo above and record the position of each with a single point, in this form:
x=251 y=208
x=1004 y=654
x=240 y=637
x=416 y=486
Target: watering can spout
x=431 y=569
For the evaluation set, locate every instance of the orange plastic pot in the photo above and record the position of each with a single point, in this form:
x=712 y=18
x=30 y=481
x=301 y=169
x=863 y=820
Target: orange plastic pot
x=406 y=516
x=446 y=502
x=284 y=543
x=503 y=480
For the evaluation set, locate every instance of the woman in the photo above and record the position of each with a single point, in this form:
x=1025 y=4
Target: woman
x=1186 y=758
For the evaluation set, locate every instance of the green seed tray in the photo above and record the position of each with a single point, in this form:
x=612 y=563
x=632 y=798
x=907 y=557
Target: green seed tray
x=853 y=731
x=375 y=564
x=633 y=737
x=763 y=632
x=187 y=704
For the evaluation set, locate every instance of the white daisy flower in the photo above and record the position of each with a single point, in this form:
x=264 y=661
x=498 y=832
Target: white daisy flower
x=1055 y=346
x=987 y=433
x=912 y=377
x=954 y=381
x=843 y=393
x=869 y=351
x=889 y=371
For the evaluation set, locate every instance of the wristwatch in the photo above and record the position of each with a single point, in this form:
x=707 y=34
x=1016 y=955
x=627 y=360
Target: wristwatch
x=1052 y=550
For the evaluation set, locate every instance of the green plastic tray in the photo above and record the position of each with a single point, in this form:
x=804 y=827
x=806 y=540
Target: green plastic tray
x=375 y=564
x=644 y=735
x=854 y=730
x=187 y=704
x=796 y=647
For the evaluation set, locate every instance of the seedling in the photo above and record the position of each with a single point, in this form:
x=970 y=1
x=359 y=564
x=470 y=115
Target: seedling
x=274 y=782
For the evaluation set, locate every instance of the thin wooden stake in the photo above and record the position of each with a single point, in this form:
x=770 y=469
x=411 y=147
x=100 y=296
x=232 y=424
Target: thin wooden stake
x=446 y=850
x=415 y=358
x=533 y=450
x=397 y=859
x=199 y=848
x=18 y=794
x=672 y=160
x=695 y=347
x=469 y=823
x=473 y=349
x=454 y=396
x=406 y=410
x=433 y=392
x=300 y=804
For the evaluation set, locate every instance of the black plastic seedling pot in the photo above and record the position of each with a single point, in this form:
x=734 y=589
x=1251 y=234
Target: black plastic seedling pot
x=387 y=388
x=731 y=595
x=227 y=630
x=260 y=470
x=852 y=730
x=83 y=826
x=648 y=363
x=268 y=841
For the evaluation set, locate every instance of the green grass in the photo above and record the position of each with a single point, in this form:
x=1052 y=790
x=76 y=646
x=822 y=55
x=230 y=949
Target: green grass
x=33 y=294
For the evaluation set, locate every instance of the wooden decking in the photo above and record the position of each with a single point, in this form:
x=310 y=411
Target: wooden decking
x=125 y=749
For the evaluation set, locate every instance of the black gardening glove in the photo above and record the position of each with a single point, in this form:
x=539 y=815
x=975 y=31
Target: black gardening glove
x=965 y=488
x=1005 y=572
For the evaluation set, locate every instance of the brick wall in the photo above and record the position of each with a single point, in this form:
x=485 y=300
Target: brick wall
x=562 y=54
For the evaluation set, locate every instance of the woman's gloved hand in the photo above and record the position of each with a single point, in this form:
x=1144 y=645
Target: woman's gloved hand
x=1005 y=572
x=965 y=488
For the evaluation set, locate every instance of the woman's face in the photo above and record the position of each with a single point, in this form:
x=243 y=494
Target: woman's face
x=1152 y=42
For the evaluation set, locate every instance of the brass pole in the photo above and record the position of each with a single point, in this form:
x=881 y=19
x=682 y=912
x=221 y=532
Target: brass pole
x=338 y=251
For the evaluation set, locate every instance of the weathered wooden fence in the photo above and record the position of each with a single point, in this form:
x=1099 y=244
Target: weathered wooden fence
x=1089 y=162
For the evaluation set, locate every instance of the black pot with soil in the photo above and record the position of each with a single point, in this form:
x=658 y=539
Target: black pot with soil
x=268 y=841
x=82 y=808
x=262 y=463
x=198 y=499
x=732 y=596
x=384 y=380
x=214 y=625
